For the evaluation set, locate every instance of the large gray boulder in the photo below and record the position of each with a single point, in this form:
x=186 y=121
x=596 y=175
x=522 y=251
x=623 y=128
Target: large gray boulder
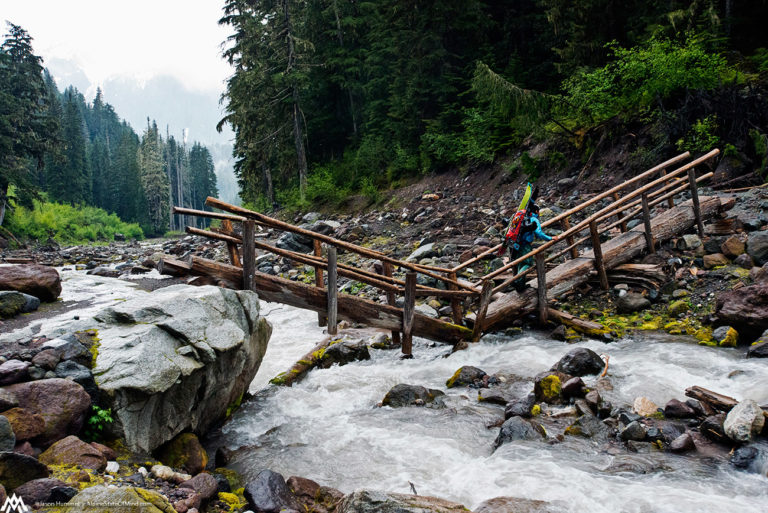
x=744 y=421
x=372 y=501
x=757 y=247
x=176 y=359
x=36 y=280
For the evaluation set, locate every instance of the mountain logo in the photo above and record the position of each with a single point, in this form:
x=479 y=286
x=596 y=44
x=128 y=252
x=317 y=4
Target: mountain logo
x=14 y=504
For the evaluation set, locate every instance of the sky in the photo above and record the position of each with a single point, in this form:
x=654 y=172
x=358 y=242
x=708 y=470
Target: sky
x=137 y=39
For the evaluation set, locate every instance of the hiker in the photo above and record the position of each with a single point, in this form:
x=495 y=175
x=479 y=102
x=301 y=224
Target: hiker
x=531 y=228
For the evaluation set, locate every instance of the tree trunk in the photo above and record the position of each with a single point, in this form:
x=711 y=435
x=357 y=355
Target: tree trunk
x=298 y=133
x=268 y=185
x=340 y=35
x=3 y=199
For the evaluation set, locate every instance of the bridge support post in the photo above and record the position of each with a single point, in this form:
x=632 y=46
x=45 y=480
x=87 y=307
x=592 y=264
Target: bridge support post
x=541 y=277
x=695 y=200
x=409 y=309
x=319 y=282
x=387 y=270
x=333 y=292
x=249 y=253
x=455 y=302
x=670 y=200
x=566 y=224
x=234 y=256
x=647 y=222
x=485 y=300
x=598 y=252
x=620 y=214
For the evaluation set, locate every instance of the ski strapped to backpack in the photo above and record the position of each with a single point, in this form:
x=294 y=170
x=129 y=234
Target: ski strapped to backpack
x=518 y=220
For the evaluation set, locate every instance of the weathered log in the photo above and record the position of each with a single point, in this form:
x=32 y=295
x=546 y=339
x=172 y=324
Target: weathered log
x=589 y=328
x=351 y=308
x=173 y=267
x=303 y=365
x=718 y=401
x=619 y=250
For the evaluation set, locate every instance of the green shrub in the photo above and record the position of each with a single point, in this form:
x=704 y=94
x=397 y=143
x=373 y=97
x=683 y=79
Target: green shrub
x=94 y=427
x=641 y=76
x=68 y=225
x=701 y=137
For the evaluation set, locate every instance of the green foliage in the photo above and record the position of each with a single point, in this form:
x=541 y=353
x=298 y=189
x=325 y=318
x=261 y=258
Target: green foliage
x=760 y=60
x=701 y=137
x=760 y=142
x=642 y=76
x=94 y=427
x=67 y=224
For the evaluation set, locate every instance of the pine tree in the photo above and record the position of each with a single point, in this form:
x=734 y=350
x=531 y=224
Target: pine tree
x=26 y=128
x=67 y=179
x=154 y=180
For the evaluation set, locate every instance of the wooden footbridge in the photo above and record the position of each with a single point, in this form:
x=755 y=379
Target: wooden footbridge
x=590 y=244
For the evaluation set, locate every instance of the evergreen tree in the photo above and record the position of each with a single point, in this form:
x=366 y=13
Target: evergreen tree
x=67 y=179
x=154 y=180
x=26 y=128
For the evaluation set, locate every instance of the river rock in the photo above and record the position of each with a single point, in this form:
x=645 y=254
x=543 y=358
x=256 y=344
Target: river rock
x=373 y=501
x=744 y=421
x=520 y=407
x=746 y=308
x=516 y=428
x=757 y=247
x=38 y=490
x=574 y=387
x=732 y=247
x=634 y=431
x=759 y=350
x=184 y=452
x=514 y=505
x=104 y=271
x=744 y=261
x=7 y=436
x=689 y=242
x=178 y=349
x=11 y=303
x=7 y=400
x=79 y=374
x=712 y=428
x=13 y=371
x=135 y=500
x=644 y=406
x=17 y=469
x=580 y=361
x=344 y=352
x=682 y=443
x=413 y=395
x=36 y=280
x=466 y=376
x=715 y=260
x=632 y=302
x=548 y=386
x=424 y=251
x=743 y=457
x=204 y=484
x=588 y=426
x=68 y=347
x=47 y=359
x=73 y=451
x=26 y=424
x=269 y=493
x=675 y=409
x=62 y=403
x=314 y=498
x=726 y=336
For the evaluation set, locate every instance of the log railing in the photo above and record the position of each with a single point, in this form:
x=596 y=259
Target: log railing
x=638 y=198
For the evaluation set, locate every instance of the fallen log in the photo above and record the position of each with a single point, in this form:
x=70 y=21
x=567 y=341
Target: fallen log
x=589 y=328
x=173 y=267
x=351 y=308
x=617 y=251
x=304 y=364
x=717 y=401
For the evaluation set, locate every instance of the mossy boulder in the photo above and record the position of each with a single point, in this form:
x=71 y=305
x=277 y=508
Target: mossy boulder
x=184 y=452
x=135 y=500
x=715 y=260
x=26 y=424
x=548 y=387
x=678 y=307
x=17 y=469
x=726 y=336
x=11 y=303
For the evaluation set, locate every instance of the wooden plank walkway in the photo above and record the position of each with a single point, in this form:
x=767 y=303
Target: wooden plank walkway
x=493 y=305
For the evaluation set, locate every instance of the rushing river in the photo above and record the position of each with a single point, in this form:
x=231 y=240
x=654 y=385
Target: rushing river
x=328 y=427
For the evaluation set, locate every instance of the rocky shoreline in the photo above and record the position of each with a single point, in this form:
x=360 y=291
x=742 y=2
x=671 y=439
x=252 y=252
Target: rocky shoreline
x=712 y=288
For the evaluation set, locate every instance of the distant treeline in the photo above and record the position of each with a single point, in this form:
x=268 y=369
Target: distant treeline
x=81 y=153
x=331 y=96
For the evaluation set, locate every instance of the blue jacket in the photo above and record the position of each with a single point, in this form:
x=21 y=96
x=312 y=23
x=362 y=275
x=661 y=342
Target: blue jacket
x=527 y=236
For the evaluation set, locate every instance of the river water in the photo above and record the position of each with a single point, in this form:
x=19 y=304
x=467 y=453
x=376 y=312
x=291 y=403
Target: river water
x=328 y=426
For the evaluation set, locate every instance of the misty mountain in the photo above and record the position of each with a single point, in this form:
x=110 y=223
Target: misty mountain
x=171 y=104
